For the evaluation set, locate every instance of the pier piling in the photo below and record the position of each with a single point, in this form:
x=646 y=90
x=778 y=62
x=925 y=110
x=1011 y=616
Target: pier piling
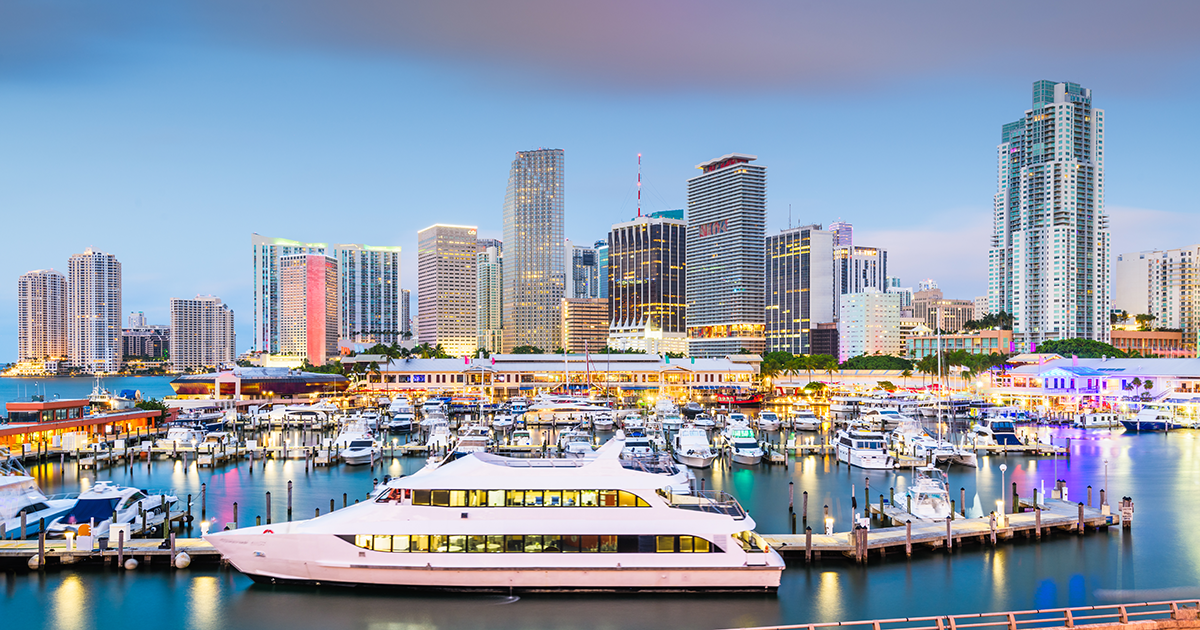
x=805 y=500
x=992 y=526
x=1038 y=521
x=962 y=500
x=289 y=505
x=331 y=508
x=203 y=511
x=235 y=515
x=121 y=548
x=949 y=535
x=268 y=507
x=908 y=537
x=23 y=517
x=1089 y=495
x=345 y=501
x=1081 y=523
x=1016 y=499
x=808 y=544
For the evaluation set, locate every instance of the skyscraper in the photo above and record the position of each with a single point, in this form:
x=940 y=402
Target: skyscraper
x=202 y=333
x=582 y=267
x=94 y=311
x=405 y=313
x=308 y=307
x=533 y=241
x=843 y=233
x=446 y=282
x=799 y=287
x=869 y=324
x=727 y=218
x=602 y=265
x=1048 y=263
x=647 y=297
x=266 y=254
x=489 y=272
x=42 y=316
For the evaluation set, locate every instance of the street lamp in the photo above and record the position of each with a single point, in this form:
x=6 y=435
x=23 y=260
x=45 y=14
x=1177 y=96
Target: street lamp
x=1106 y=481
x=1003 y=490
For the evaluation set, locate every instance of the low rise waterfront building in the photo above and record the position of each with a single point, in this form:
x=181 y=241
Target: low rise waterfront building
x=982 y=342
x=1120 y=384
x=31 y=422
x=1157 y=343
x=252 y=383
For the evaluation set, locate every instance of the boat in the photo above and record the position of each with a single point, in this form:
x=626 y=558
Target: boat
x=502 y=422
x=400 y=422
x=518 y=406
x=1149 y=418
x=927 y=495
x=361 y=451
x=20 y=493
x=400 y=405
x=665 y=405
x=439 y=437
x=739 y=399
x=1097 y=420
x=738 y=417
x=351 y=431
x=632 y=421
x=96 y=507
x=635 y=444
x=520 y=437
x=805 y=420
x=480 y=523
x=995 y=432
x=884 y=419
x=575 y=443
x=864 y=449
x=670 y=421
x=691 y=410
x=472 y=439
x=181 y=437
x=433 y=406
x=692 y=448
x=744 y=446
x=603 y=421
x=704 y=421
x=768 y=421
x=554 y=411
x=215 y=440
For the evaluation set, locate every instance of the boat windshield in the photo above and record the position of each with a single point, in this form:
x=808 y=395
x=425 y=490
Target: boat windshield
x=360 y=444
x=88 y=509
x=1003 y=425
x=706 y=501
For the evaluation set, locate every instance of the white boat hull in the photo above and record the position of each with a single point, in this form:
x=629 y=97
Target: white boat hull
x=869 y=462
x=359 y=457
x=745 y=459
x=695 y=461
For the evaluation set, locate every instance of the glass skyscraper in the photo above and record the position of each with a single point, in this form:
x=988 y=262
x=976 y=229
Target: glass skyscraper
x=534 y=280
x=799 y=287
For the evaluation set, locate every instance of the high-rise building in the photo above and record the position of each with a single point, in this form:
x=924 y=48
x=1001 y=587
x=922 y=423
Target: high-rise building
x=1131 y=282
x=906 y=293
x=369 y=292
x=489 y=274
x=870 y=324
x=94 y=312
x=647 y=296
x=147 y=342
x=1163 y=284
x=533 y=240
x=602 y=265
x=582 y=266
x=937 y=311
x=981 y=306
x=1048 y=262
x=928 y=284
x=446 y=284
x=202 y=333
x=843 y=234
x=308 y=307
x=368 y=307
x=42 y=316
x=727 y=219
x=799 y=287
x=405 y=313
x=584 y=324
x=137 y=319
x=858 y=270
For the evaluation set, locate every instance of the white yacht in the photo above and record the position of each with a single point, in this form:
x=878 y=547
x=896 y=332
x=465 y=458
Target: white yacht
x=1097 y=420
x=502 y=422
x=704 y=421
x=400 y=405
x=738 y=417
x=928 y=494
x=884 y=419
x=636 y=444
x=805 y=420
x=603 y=421
x=433 y=406
x=632 y=421
x=670 y=421
x=692 y=448
x=181 y=437
x=745 y=448
x=768 y=421
x=995 y=431
x=20 y=493
x=400 y=422
x=361 y=451
x=575 y=443
x=512 y=524
x=521 y=437
x=475 y=438
x=862 y=448
x=439 y=437
x=96 y=507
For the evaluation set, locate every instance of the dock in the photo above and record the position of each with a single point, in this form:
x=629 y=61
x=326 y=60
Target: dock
x=148 y=552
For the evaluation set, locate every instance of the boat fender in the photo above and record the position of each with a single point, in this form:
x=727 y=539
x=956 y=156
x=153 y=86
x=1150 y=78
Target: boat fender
x=890 y=462
x=182 y=560
x=34 y=563
x=131 y=564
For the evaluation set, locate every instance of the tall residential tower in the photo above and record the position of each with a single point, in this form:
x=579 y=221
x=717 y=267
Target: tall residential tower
x=647 y=295
x=534 y=279
x=446 y=281
x=42 y=316
x=94 y=312
x=308 y=307
x=201 y=333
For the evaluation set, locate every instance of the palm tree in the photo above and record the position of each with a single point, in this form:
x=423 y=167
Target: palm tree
x=906 y=374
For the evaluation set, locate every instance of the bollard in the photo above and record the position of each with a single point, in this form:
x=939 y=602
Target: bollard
x=949 y=537
x=331 y=508
x=42 y=549
x=268 y=507
x=1103 y=498
x=1016 y=503
x=1038 y=521
x=289 y=516
x=908 y=538
x=962 y=500
x=1081 y=524
x=172 y=548
x=953 y=509
x=808 y=544
x=805 y=500
x=121 y=548
x=1089 y=495
x=23 y=517
x=203 y=492
x=344 y=502
x=992 y=526
x=189 y=508
x=235 y=515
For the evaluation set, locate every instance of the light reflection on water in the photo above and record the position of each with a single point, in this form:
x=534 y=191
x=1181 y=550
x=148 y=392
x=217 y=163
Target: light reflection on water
x=1161 y=472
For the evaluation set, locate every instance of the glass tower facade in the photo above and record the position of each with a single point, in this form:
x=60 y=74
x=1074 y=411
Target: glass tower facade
x=446 y=288
x=534 y=280
x=648 y=288
x=799 y=287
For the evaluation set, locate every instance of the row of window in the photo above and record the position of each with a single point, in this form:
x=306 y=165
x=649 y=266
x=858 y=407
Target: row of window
x=537 y=543
x=516 y=498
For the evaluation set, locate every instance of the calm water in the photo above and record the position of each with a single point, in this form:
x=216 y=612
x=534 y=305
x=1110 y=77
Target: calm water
x=1161 y=558
x=81 y=386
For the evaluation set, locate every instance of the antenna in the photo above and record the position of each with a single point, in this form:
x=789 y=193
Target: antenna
x=639 y=185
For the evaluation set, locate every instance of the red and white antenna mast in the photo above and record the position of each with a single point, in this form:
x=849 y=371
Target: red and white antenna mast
x=639 y=185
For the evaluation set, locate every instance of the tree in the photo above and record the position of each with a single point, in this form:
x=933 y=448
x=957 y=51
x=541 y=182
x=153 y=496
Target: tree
x=1144 y=320
x=906 y=374
x=1085 y=348
x=528 y=350
x=1001 y=320
x=886 y=386
x=877 y=362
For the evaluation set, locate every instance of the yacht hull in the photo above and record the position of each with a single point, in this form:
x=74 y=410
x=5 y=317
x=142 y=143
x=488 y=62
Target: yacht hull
x=694 y=461
x=747 y=460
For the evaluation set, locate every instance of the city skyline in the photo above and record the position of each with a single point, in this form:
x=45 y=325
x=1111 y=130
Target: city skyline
x=158 y=130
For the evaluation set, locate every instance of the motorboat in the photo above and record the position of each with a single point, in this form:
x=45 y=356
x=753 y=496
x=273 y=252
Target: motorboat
x=704 y=421
x=995 y=431
x=665 y=405
x=399 y=405
x=861 y=448
x=520 y=437
x=670 y=421
x=439 y=438
x=744 y=446
x=884 y=419
x=518 y=406
x=352 y=431
x=475 y=438
x=805 y=420
x=361 y=451
x=216 y=440
x=428 y=422
x=479 y=522
x=1097 y=420
x=400 y=422
x=96 y=506
x=1149 y=418
x=632 y=421
x=433 y=406
x=635 y=444
x=181 y=437
x=20 y=493
x=575 y=443
x=603 y=421
x=927 y=496
x=768 y=421
x=691 y=447
x=502 y=422
x=738 y=417
x=691 y=410
x=562 y=410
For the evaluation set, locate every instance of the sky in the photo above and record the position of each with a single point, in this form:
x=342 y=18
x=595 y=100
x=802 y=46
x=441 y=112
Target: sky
x=167 y=133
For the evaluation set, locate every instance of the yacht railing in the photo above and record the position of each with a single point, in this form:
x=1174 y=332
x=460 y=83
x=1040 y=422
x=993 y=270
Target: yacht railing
x=712 y=501
x=654 y=464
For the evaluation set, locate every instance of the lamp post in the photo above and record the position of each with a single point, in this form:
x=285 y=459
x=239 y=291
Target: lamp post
x=1003 y=490
x=1106 y=481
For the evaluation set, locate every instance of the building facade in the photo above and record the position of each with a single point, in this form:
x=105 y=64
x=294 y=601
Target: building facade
x=406 y=313
x=583 y=271
x=1164 y=344
x=584 y=324
x=308 y=307
x=982 y=342
x=369 y=292
x=202 y=333
x=869 y=324
x=938 y=311
x=647 y=295
x=534 y=280
x=602 y=264
x=146 y=341
x=727 y=218
x=859 y=269
x=446 y=283
x=1162 y=284
x=1048 y=262
x=94 y=312
x=42 y=316
x=799 y=287
x=489 y=274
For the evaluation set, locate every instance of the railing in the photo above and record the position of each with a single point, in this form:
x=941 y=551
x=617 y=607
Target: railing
x=1019 y=620
x=712 y=501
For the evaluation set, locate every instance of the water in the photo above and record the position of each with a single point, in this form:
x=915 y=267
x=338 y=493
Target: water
x=1160 y=558
x=81 y=386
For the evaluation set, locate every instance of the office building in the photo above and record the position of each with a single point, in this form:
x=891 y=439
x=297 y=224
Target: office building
x=825 y=339
x=406 y=313
x=489 y=279
x=94 y=312
x=146 y=341
x=1131 y=282
x=905 y=293
x=843 y=234
x=602 y=265
x=582 y=266
x=937 y=311
x=202 y=335
x=727 y=218
x=859 y=269
x=42 y=316
x=870 y=324
x=308 y=307
x=1048 y=263
x=647 y=296
x=534 y=280
x=799 y=287
x=584 y=324
x=446 y=283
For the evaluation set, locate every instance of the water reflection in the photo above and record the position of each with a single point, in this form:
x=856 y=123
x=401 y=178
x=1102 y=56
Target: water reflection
x=70 y=604
x=204 y=603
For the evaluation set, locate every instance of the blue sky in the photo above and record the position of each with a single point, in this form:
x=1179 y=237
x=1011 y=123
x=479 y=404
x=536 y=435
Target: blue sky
x=168 y=136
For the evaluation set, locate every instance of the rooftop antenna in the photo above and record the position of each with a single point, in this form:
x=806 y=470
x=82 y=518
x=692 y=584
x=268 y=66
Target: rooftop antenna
x=639 y=185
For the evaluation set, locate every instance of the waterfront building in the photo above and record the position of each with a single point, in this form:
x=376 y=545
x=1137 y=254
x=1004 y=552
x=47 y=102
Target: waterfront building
x=727 y=218
x=259 y=383
x=799 y=287
x=939 y=312
x=43 y=421
x=1048 y=262
x=859 y=269
x=533 y=275
x=405 y=314
x=266 y=254
x=1154 y=343
x=869 y=324
x=94 y=312
x=446 y=283
x=911 y=327
x=981 y=342
x=147 y=341
x=489 y=279
x=602 y=265
x=369 y=292
x=583 y=271
x=42 y=316
x=202 y=333
x=647 y=303
x=584 y=324
x=1172 y=383
x=308 y=307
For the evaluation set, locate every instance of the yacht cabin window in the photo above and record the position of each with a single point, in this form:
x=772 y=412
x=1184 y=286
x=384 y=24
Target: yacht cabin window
x=518 y=498
x=543 y=543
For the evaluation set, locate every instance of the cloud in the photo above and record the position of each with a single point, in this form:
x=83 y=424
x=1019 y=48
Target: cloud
x=949 y=247
x=656 y=45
